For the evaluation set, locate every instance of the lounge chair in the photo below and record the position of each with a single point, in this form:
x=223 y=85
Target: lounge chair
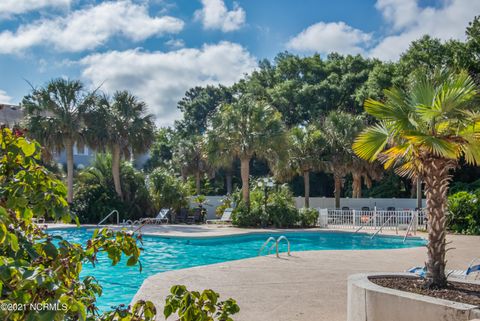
x=225 y=219
x=161 y=218
x=472 y=268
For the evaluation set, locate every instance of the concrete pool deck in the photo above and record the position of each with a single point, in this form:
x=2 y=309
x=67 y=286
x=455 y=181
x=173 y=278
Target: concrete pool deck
x=307 y=286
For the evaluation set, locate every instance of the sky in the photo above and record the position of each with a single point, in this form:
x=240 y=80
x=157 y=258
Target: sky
x=158 y=49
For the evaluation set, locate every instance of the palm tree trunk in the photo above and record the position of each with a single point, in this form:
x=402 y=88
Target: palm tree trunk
x=437 y=179
x=198 y=183
x=245 y=173
x=69 y=154
x=228 y=177
x=338 y=188
x=116 y=169
x=419 y=192
x=306 y=182
x=357 y=185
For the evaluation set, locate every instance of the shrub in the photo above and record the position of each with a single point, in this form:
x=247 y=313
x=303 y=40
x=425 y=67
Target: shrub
x=95 y=194
x=308 y=217
x=277 y=210
x=193 y=305
x=167 y=190
x=464 y=212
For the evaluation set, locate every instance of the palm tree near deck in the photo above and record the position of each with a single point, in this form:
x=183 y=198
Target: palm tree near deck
x=190 y=158
x=247 y=128
x=339 y=130
x=305 y=147
x=55 y=118
x=121 y=126
x=424 y=132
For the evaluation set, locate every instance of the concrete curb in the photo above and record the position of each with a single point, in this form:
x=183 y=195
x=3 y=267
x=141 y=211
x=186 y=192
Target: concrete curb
x=368 y=301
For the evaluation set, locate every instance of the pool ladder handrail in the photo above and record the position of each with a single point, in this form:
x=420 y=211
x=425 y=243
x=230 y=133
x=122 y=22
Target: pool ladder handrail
x=270 y=239
x=110 y=214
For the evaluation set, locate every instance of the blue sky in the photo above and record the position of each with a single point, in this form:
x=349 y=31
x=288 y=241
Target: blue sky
x=160 y=48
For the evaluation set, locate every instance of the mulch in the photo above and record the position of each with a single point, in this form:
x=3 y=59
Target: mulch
x=455 y=291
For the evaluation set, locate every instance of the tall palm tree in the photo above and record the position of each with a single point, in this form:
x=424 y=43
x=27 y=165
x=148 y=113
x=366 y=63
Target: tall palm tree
x=305 y=147
x=189 y=156
x=121 y=126
x=244 y=129
x=55 y=118
x=423 y=132
x=339 y=130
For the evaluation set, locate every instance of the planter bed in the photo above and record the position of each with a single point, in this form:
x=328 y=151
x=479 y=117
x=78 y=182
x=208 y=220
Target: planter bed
x=369 y=300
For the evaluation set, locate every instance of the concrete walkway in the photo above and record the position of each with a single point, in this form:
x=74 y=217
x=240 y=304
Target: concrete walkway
x=308 y=286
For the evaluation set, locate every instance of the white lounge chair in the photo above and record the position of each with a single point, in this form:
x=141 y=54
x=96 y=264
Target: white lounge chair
x=225 y=219
x=161 y=218
x=421 y=271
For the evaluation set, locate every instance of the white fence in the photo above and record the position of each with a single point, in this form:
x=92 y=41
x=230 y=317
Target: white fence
x=372 y=219
x=399 y=204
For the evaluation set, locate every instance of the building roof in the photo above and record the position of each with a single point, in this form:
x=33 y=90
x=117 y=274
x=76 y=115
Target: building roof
x=10 y=114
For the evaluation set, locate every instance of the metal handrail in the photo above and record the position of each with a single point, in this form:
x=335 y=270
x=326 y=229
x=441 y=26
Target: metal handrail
x=283 y=237
x=365 y=224
x=409 y=226
x=110 y=214
x=265 y=244
x=381 y=227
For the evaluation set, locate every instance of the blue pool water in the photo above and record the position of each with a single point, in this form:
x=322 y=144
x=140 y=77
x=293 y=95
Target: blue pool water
x=120 y=283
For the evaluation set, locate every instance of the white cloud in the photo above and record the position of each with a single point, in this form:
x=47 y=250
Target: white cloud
x=4 y=98
x=412 y=22
x=13 y=7
x=328 y=37
x=175 y=43
x=215 y=15
x=161 y=78
x=89 y=28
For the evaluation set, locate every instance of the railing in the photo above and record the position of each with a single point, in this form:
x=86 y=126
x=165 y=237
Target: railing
x=275 y=244
x=375 y=219
x=110 y=214
x=283 y=237
x=265 y=244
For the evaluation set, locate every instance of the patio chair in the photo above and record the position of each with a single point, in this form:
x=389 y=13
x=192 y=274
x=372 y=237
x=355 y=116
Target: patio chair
x=472 y=268
x=226 y=217
x=365 y=208
x=181 y=217
x=161 y=218
x=194 y=217
x=390 y=208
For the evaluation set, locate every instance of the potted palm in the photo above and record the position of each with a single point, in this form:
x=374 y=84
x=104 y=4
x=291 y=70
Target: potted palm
x=424 y=132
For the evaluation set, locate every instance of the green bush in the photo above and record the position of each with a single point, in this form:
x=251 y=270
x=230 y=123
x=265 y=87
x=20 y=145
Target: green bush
x=308 y=217
x=167 y=190
x=464 y=212
x=278 y=210
x=95 y=194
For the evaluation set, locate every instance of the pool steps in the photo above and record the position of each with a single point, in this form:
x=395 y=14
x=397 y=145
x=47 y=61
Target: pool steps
x=272 y=239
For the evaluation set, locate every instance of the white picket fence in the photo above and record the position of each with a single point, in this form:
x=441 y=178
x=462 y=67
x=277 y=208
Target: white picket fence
x=371 y=219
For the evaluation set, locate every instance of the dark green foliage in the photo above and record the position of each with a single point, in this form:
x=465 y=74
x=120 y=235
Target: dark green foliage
x=277 y=209
x=161 y=151
x=308 y=217
x=40 y=269
x=95 y=194
x=196 y=306
x=464 y=212
x=167 y=190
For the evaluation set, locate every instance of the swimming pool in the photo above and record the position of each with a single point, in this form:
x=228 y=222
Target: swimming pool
x=120 y=283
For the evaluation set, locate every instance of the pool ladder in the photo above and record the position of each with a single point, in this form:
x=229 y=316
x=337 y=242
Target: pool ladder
x=275 y=244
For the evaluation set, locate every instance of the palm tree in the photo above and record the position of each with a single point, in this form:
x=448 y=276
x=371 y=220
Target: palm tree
x=121 y=126
x=423 y=132
x=244 y=129
x=189 y=156
x=305 y=146
x=55 y=118
x=339 y=130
